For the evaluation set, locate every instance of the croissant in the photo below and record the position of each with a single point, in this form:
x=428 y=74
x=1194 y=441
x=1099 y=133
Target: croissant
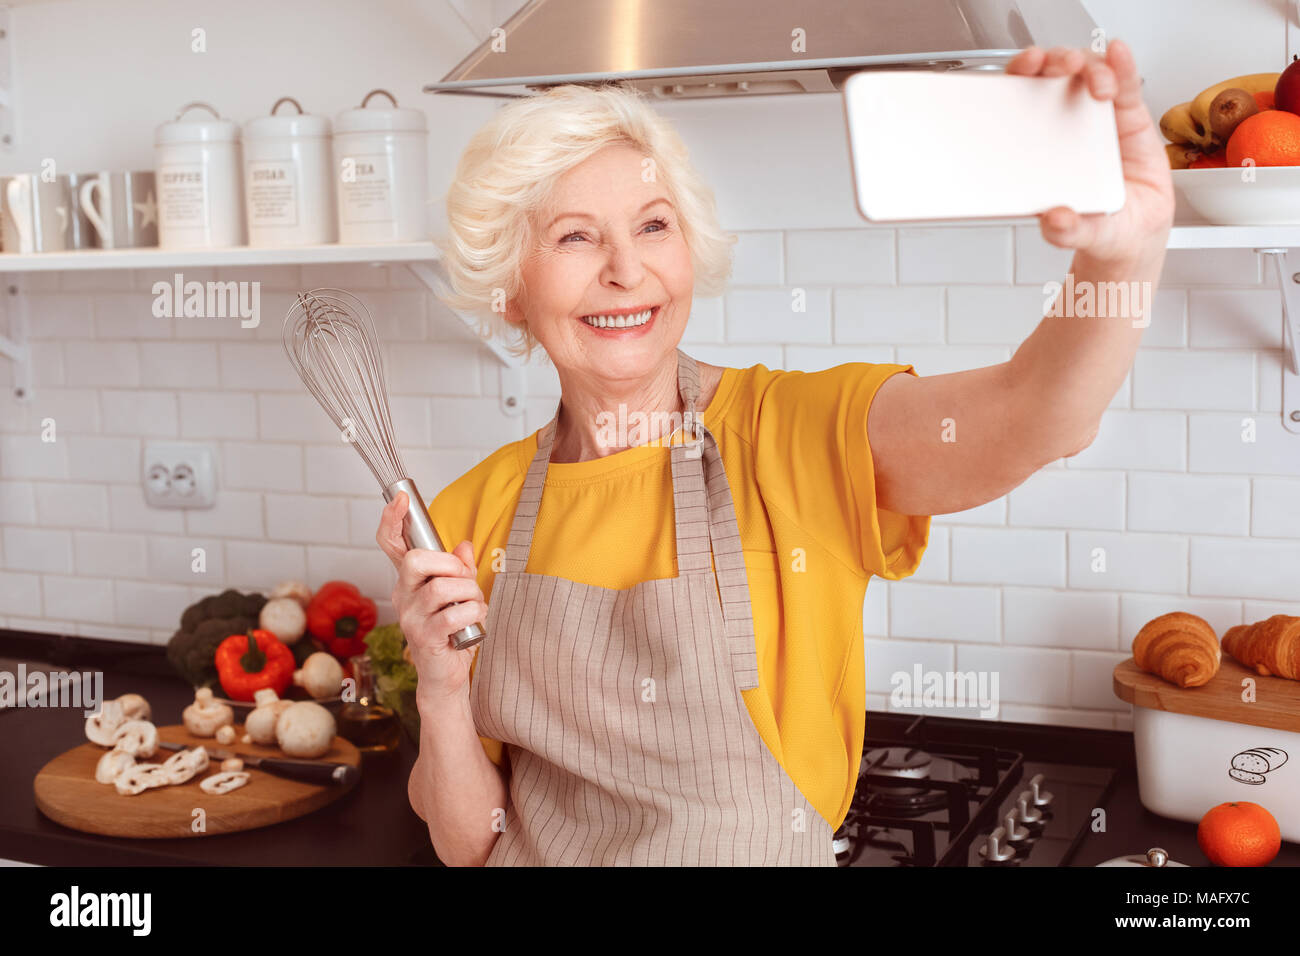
x=1271 y=646
x=1180 y=647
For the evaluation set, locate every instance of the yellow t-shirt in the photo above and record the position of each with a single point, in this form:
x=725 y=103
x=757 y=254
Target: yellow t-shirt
x=794 y=445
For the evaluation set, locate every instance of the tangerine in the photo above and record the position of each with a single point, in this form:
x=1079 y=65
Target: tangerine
x=1269 y=138
x=1214 y=160
x=1266 y=100
x=1239 y=833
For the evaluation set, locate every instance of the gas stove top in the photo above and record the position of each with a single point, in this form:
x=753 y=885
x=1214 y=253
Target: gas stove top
x=925 y=799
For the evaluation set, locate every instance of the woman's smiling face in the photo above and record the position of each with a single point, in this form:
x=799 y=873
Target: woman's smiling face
x=609 y=242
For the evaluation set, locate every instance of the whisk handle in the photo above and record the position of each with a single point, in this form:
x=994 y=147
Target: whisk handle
x=418 y=531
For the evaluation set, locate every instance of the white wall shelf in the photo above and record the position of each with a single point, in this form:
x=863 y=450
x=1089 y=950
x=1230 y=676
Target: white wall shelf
x=423 y=261
x=1234 y=237
x=420 y=258
x=152 y=258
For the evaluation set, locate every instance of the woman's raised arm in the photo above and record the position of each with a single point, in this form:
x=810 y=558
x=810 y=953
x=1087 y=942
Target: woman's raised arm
x=946 y=443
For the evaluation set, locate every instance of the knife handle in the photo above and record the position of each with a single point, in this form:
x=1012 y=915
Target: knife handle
x=311 y=771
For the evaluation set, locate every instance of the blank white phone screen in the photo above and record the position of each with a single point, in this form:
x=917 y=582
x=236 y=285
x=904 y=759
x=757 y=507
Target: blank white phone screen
x=972 y=145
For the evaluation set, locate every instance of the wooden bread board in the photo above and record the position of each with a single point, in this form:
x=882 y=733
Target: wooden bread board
x=67 y=793
x=1276 y=704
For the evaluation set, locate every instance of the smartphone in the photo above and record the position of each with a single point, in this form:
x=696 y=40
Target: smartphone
x=979 y=144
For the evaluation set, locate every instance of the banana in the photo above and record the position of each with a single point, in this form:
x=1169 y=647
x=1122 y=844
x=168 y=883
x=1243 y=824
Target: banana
x=1179 y=126
x=1181 y=154
x=1252 y=83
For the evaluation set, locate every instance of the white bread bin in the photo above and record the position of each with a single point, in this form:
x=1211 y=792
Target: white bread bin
x=1198 y=747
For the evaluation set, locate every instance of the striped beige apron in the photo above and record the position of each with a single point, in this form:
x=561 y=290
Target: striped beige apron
x=621 y=710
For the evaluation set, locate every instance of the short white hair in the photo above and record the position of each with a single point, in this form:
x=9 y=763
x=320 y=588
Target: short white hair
x=506 y=175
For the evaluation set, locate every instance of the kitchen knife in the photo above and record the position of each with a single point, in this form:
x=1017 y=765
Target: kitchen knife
x=310 y=771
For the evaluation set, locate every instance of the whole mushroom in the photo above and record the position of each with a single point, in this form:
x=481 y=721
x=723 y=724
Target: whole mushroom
x=285 y=618
x=321 y=675
x=260 y=723
x=305 y=729
x=293 y=589
x=206 y=715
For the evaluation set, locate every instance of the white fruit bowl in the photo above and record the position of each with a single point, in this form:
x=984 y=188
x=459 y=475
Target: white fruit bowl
x=1224 y=199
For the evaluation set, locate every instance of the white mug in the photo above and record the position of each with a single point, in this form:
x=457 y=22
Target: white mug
x=36 y=213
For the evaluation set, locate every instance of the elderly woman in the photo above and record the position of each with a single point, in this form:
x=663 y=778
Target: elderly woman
x=673 y=670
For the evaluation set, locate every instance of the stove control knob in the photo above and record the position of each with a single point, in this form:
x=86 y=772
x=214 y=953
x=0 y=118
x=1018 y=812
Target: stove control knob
x=993 y=849
x=1015 y=832
x=1041 y=797
x=1028 y=813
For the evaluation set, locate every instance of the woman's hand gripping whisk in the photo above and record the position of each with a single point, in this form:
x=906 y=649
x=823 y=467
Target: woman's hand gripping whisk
x=436 y=595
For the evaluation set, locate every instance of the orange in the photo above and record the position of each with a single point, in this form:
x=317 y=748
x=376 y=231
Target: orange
x=1214 y=160
x=1264 y=100
x=1270 y=138
x=1239 y=833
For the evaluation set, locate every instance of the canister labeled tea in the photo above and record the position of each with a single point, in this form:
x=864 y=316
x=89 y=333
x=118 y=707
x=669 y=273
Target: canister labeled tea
x=381 y=173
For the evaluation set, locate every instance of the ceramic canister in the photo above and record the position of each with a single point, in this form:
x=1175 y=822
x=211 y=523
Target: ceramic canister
x=200 y=203
x=381 y=173
x=288 y=179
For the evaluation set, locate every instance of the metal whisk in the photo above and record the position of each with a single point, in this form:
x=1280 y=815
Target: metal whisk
x=331 y=342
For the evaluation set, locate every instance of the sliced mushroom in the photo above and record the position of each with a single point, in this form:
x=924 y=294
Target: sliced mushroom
x=224 y=782
x=112 y=764
x=139 y=738
x=206 y=715
x=231 y=764
x=101 y=728
x=135 y=707
x=141 y=777
x=184 y=764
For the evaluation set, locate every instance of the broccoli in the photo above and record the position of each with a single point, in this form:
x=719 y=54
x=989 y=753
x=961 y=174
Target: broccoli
x=204 y=625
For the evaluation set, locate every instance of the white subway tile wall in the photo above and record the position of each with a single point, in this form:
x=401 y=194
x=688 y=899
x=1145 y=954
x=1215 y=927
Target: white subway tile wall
x=1188 y=499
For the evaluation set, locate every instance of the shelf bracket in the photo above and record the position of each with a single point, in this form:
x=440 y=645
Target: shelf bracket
x=14 y=346
x=434 y=278
x=1288 y=280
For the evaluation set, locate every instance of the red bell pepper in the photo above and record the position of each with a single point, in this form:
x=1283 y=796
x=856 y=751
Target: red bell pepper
x=340 y=616
x=248 y=662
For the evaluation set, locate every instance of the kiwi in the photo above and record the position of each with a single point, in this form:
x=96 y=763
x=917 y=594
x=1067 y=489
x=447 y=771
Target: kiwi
x=1228 y=109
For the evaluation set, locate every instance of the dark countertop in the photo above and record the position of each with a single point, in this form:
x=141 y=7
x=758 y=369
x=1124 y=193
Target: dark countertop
x=373 y=825
x=1130 y=827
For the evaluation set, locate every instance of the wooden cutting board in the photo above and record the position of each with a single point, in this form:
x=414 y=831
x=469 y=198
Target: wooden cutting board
x=67 y=793
x=1276 y=704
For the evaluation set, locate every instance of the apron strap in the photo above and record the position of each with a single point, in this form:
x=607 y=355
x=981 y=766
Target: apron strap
x=520 y=542
x=705 y=517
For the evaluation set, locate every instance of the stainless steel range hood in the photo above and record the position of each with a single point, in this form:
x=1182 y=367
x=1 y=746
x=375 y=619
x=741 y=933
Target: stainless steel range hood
x=709 y=48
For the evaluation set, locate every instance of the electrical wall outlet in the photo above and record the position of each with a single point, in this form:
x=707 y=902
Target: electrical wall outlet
x=178 y=475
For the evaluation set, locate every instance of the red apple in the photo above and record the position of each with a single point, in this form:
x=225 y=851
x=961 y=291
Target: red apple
x=1286 y=95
